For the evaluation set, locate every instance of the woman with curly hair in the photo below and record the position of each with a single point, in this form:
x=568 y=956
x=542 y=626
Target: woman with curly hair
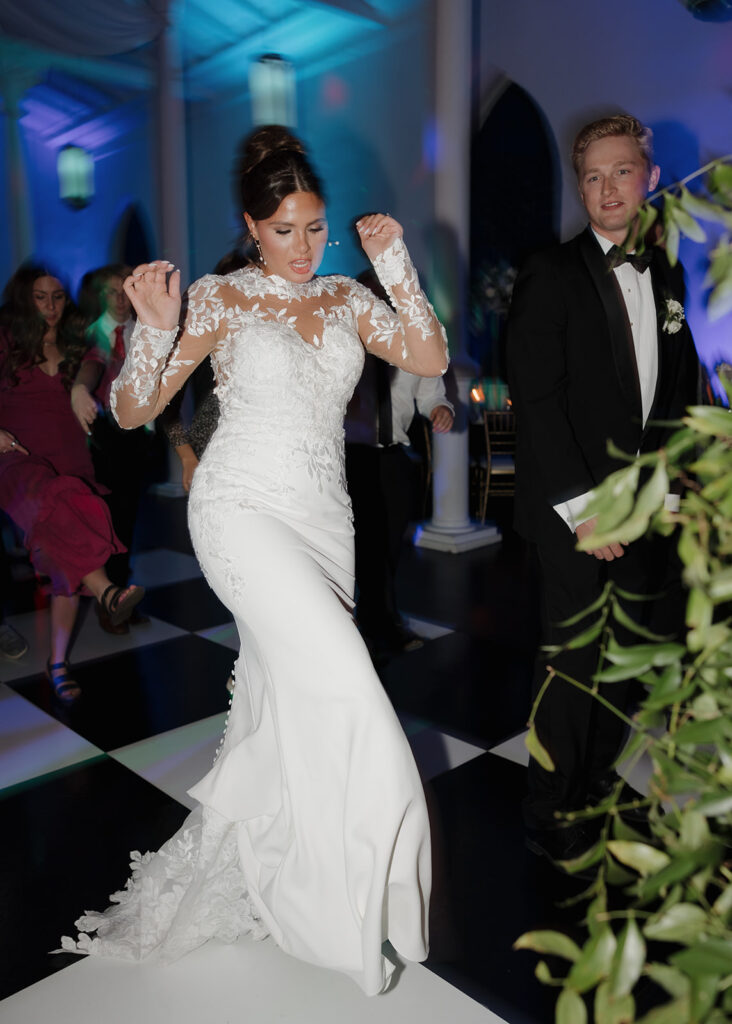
x=47 y=484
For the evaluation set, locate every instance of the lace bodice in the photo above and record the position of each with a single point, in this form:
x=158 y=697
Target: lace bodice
x=323 y=315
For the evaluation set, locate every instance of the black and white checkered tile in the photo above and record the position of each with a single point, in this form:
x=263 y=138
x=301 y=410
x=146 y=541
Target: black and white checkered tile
x=81 y=786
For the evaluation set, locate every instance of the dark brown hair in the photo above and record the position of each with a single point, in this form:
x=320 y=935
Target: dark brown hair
x=26 y=327
x=90 y=302
x=618 y=124
x=272 y=165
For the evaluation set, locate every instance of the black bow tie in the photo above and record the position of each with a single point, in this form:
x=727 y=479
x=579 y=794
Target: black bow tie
x=639 y=260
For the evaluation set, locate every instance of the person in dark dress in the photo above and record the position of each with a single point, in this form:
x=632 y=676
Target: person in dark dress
x=47 y=484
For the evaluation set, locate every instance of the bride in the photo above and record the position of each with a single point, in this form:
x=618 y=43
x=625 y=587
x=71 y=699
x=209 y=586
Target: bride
x=311 y=824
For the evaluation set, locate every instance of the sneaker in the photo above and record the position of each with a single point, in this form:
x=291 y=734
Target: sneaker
x=12 y=644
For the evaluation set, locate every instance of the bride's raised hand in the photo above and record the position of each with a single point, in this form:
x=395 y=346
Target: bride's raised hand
x=377 y=231
x=155 y=296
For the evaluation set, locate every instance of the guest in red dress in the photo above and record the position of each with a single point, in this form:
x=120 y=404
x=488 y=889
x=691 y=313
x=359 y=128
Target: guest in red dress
x=47 y=481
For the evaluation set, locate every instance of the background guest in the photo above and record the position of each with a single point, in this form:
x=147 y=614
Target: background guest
x=120 y=457
x=47 y=481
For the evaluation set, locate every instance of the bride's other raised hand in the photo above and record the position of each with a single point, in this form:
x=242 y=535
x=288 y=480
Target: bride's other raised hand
x=155 y=293
x=377 y=231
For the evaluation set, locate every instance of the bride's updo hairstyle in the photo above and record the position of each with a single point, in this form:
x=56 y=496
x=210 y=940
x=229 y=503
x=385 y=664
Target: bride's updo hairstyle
x=273 y=165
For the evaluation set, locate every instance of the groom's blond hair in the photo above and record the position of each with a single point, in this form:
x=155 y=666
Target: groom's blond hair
x=619 y=124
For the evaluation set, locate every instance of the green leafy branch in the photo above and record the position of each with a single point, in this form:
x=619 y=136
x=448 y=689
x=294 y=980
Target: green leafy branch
x=675 y=881
x=675 y=211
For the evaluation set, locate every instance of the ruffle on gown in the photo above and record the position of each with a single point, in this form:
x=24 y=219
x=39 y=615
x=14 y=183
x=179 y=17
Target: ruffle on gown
x=190 y=891
x=67 y=528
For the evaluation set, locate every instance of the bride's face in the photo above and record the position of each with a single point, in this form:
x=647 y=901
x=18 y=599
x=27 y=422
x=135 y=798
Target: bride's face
x=294 y=237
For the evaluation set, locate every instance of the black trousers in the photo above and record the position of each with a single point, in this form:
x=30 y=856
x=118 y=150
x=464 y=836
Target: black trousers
x=381 y=483
x=120 y=460
x=582 y=736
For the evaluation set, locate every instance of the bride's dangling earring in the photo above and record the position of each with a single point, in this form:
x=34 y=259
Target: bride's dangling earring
x=262 y=260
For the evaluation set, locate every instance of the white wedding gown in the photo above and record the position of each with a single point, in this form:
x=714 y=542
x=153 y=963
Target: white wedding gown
x=312 y=825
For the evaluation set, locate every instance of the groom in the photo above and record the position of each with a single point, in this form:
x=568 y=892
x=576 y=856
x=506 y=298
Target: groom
x=589 y=362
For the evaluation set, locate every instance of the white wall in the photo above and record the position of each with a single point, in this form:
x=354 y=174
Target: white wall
x=581 y=60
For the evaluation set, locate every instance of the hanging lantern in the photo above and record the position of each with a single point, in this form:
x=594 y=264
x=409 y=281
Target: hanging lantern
x=75 y=169
x=272 y=87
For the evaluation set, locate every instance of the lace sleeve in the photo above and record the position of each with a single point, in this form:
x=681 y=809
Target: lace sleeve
x=412 y=338
x=159 y=362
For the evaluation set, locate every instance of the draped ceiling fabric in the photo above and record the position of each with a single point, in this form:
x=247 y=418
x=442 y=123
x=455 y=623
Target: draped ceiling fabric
x=96 y=28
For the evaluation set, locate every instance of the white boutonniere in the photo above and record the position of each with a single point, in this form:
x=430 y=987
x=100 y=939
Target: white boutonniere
x=673 y=313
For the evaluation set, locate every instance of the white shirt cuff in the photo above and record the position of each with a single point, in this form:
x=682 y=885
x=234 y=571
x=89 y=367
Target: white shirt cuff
x=572 y=511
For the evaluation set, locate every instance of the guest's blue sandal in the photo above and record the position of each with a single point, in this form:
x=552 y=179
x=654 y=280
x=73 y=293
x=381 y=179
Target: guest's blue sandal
x=64 y=687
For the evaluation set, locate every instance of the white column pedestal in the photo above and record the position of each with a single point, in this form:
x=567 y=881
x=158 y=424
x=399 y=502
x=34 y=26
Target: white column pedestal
x=450 y=528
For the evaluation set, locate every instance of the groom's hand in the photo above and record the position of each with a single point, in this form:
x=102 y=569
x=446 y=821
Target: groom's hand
x=606 y=554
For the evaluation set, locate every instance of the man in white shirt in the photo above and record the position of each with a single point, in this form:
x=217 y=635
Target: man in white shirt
x=590 y=362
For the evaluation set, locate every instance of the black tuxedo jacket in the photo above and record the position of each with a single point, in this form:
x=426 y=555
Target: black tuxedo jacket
x=572 y=375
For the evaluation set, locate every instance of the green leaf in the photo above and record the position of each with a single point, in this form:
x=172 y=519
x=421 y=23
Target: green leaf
x=621 y=616
x=714 y=956
x=666 y=690
x=669 y=978
x=687 y=225
x=684 y=922
x=694 y=831
x=699 y=609
x=715 y=806
x=719 y=182
x=642 y=858
x=720 y=585
x=709 y=419
x=570 y=1008
x=708 y=731
x=617 y=673
x=595 y=910
x=698 y=206
x=586 y=860
x=610 y=1009
x=543 y=973
x=595 y=961
x=720 y=301
x=673 y=237
x=676 y=1012
x=586 y=637
x=595 y=606
x=628 y=961
x=703 y=995
x=553 y=943
x=537 y=750
x=622 y=830
x=682 y=866
x=723 y=903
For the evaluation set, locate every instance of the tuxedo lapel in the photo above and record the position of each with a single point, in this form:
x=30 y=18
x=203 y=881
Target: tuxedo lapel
x=618 y=324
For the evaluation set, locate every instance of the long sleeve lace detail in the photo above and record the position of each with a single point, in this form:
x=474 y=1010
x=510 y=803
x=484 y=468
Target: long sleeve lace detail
x=141 y=371
x=415 y=321
x=156 y=366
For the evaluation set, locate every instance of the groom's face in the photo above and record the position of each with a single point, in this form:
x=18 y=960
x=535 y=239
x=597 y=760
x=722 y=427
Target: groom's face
x=614 y=180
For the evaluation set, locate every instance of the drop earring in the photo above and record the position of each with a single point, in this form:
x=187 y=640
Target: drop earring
x=262 y=260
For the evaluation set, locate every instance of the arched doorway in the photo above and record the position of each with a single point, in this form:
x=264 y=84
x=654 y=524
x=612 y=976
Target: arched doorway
x=514 y=197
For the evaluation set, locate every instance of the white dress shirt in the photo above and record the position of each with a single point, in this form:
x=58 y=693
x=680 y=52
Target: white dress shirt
x=407 y=390
x=637 y=292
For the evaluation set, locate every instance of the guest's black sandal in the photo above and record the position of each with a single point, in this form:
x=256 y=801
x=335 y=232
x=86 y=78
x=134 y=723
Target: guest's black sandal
x=119 y=602
x=64 y=687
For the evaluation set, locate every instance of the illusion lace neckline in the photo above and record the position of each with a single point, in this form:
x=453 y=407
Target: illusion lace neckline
x=280 y=287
